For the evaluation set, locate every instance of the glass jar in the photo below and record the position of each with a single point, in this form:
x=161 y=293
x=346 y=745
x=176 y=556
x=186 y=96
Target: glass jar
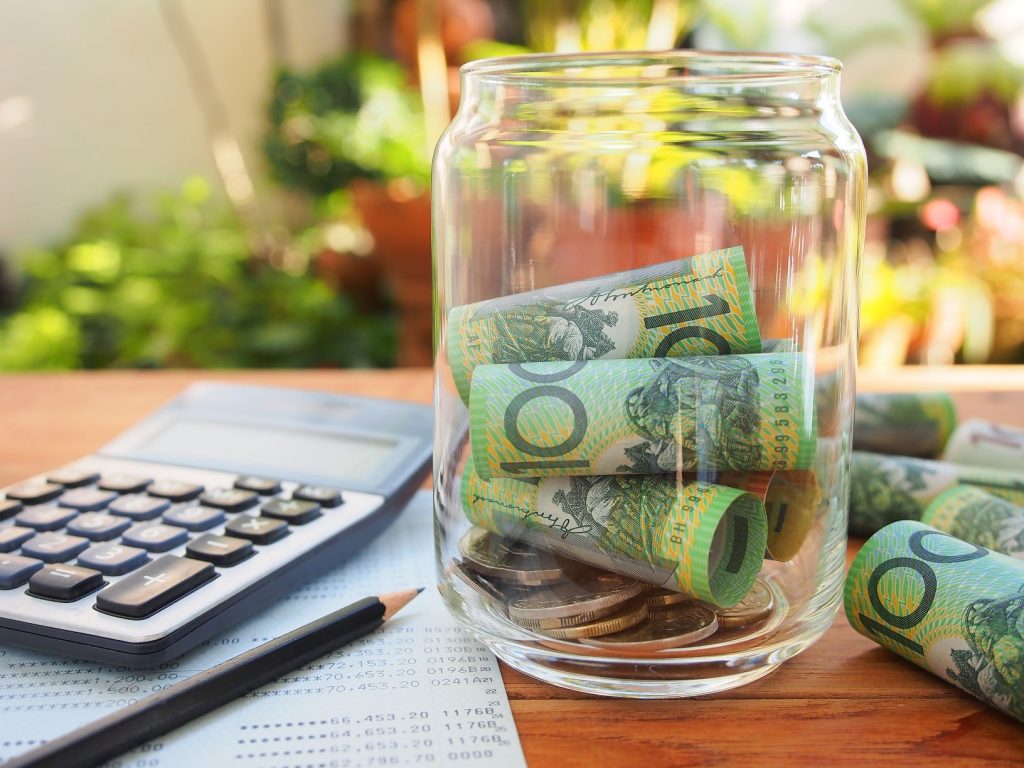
x=646 y=273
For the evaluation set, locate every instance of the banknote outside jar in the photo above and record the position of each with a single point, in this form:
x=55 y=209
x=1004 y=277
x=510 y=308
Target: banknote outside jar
x=645 y=281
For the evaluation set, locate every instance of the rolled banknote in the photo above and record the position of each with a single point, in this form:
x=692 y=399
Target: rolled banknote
x=915 y=424
x=953 y=608
x=702 y=539
x=987 y=444
x=605 y=417
x=697 y=306
x=884 y=489
x=979 y=517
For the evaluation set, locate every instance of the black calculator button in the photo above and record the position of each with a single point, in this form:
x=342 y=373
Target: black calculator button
x=72 y=478
x=16 y=570
x=258 y=530
x=54 y=547
x=113 y=559
x=174 y=490
x=86 y=499
x=45 y=518
x=325 y=497
x=124 y=483
x=64 y=582
x=99 y=526
x=34 y=493
x=222 y=551
x=13 y=537
x=154 y=586
x=195 y=518
x=229 y=499
x=261 y=485
x=9 y=508
x=139 y=506
x=155 y=537
x=291 y=511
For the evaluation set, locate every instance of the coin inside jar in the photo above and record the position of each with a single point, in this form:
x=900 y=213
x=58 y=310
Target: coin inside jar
x=589 y=593
x=757 y=605
x=657 y=597
x=628 y=616
x=567 y=621
x=672 y=626
x=497 y=557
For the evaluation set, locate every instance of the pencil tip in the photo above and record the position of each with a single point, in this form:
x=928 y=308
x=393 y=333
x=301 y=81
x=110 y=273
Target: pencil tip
x=419 y=589
x=395 y=601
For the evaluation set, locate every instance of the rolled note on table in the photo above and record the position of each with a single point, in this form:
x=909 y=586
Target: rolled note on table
x=697 y=306
x=705 y=540
x=743 y=412
x=953 y=608
x=884 y=489
x=987 y=444
x=979 y=517
x=915 y=424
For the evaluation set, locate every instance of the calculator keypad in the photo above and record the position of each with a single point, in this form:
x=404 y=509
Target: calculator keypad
x=80 y=533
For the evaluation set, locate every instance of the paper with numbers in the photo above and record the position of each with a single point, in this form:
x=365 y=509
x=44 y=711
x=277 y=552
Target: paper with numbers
x=419 y=691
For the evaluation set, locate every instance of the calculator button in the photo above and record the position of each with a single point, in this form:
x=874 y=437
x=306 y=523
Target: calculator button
x=138 y=506
x=174 y=490
x=9 y=508
x=291 y=510
x=13 y=537
x=156 y=537
x=261 y=485
x=258 y=530
x=54 y=547
x=73 y=478
x=155 y=586
x=222 y=551
x=45 y=518
x=113 y=559
x=229 y=499
x=99 y=526
x=325 y=497
x=64 y=582
x=34 y=493
x=86 y=499
x=195 y=518
x=124 y=483
x=16 y=570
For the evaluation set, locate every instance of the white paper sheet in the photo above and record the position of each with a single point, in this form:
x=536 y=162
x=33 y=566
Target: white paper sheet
x=419 y=691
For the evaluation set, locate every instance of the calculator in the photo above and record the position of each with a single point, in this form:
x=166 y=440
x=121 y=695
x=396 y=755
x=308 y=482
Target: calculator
x=200 y=515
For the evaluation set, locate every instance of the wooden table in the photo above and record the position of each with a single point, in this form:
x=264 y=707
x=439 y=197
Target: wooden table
x=845 y=701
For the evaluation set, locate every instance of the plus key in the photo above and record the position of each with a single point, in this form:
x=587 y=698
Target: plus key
x=154 y=587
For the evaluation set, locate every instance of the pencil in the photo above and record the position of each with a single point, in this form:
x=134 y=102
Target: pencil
x=183 y=702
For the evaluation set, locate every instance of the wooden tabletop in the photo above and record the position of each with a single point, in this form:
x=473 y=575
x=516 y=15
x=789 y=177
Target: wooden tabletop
x=845 y=701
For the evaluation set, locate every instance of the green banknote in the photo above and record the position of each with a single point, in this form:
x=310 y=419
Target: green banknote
x=979 y=517
x=702 y=539
x=884 y=489
x=917 y=424
x=697 y=306
x=953 y=608
x=602 y=417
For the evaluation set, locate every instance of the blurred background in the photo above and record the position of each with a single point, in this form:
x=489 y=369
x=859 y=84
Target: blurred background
x=246 y=184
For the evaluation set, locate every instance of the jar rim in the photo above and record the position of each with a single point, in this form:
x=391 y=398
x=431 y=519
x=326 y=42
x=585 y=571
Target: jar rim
x=657 y=67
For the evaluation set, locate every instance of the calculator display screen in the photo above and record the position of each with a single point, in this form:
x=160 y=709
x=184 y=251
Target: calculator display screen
x=276 y=451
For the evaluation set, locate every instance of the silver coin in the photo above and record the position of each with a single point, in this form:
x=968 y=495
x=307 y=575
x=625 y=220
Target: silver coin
x=495 y=557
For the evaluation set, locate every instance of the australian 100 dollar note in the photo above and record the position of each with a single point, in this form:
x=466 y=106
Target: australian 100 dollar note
x=697 y=306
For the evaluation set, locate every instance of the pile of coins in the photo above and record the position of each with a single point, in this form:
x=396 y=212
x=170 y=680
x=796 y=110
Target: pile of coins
x=566 y=600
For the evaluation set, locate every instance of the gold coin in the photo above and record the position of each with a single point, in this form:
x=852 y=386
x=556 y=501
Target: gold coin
x=671 y=626
x=567 y=621
x=658 y=598
x=499 y=558
x=593 y=592
x=630 y=615
x=756 y=606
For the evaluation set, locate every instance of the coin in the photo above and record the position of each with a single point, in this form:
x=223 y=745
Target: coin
x=480 y=585
x=658 y=598
x=593 y=592
x=672 y=626
x=757 y=605
x=497 y=557
x=567 y=621
x=630 y=615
